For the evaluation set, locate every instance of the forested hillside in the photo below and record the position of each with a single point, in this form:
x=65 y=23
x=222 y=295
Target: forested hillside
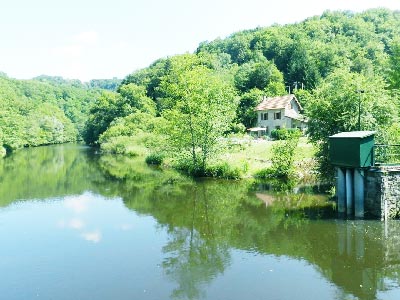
x=181 y=106
x=45 y=110
x=325 y=60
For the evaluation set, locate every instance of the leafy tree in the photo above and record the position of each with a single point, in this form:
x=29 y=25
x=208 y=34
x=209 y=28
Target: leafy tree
x=203 y=109
x=135 y=98
x=105 y=84
x=335 y=105
x=245 y=111
x=102 y=113
x=257 y=75
x=394 y=66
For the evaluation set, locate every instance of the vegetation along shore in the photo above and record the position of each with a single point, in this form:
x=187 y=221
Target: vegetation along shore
x=193 y=111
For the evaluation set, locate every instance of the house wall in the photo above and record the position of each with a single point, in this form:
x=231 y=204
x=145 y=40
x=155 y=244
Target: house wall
x=284 y=122
x=271 y=124
x=294 y=106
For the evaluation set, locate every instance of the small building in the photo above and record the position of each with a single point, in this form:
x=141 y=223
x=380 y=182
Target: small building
x=280 y=112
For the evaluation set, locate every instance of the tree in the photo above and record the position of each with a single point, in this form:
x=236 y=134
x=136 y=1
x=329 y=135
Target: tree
x=394 y=66
x=101 y=114
x=248 y=102
x=203 y=109
x=135 y=97
x=336 y=105
x=257 y=75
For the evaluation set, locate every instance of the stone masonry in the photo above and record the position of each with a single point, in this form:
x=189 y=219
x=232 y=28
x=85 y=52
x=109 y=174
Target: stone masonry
x=382 y=192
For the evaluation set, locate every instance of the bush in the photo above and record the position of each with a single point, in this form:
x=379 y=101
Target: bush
x=284 y=134
x=123 y=145
x=264 y=174
x=154 y=159
x=224 y=170
x=282 y=159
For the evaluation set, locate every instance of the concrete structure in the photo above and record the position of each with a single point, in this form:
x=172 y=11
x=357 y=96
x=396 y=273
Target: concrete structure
x=382 y=192
x=280 y=112
x=363 y=189
x=351 y=153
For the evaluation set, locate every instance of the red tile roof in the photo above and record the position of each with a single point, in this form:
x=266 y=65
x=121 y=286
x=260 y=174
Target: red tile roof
x=277 y=102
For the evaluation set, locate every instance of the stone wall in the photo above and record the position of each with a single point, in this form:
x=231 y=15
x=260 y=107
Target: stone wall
x=382 y=192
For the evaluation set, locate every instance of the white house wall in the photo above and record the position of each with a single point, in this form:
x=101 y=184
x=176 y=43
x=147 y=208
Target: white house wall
x=271 y=124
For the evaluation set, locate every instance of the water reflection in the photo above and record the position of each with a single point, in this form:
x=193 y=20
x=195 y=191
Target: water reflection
x=207 y=223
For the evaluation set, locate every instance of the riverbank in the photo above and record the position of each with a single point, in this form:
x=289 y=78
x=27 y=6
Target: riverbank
x=256 y=154
x=241 y=157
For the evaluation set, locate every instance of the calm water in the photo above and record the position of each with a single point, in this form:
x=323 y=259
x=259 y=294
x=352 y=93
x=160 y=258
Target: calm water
x=76 y=225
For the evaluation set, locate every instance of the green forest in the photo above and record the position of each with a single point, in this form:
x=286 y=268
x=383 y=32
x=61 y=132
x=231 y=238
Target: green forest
x=183 y=107
x=45 y=110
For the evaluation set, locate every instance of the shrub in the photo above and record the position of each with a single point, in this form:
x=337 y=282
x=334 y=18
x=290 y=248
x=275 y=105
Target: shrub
x=284 y=134
x=264 y=174
x=224 y=170
x=154 y=159
x=283 y=153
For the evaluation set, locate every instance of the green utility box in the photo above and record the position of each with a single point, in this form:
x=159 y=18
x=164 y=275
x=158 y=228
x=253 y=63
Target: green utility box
x=352 y=149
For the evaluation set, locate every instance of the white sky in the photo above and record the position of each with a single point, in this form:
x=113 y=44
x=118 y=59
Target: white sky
x=87 y=39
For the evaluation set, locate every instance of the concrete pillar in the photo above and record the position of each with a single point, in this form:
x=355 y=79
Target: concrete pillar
x=359 y=193
x=349 y=192
x=341 y=190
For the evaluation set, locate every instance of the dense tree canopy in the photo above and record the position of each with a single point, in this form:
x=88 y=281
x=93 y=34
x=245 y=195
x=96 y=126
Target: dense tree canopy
x=42 y=111
x=347 y=101
x=198 y=98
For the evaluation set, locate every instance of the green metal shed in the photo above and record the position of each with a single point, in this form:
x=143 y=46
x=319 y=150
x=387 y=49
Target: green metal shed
x=353 y=149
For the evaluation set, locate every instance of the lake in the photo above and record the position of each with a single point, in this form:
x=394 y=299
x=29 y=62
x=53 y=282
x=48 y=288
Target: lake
x=78 y=225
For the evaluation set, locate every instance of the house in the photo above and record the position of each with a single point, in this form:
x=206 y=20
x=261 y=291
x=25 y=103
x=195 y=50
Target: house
x=279 y=112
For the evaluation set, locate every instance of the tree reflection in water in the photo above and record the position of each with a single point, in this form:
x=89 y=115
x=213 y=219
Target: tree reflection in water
x=206 y=220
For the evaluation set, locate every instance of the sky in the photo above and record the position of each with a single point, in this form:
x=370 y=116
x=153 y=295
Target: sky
x=96 y=39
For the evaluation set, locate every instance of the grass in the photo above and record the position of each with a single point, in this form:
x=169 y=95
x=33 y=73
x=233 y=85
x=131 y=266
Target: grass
x=256 y=155
x=243 y=157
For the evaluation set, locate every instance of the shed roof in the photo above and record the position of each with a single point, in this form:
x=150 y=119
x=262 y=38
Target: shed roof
x=353 y=134
x=277 y=102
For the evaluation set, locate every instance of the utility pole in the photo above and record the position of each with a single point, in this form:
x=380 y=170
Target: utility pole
x=359 y=108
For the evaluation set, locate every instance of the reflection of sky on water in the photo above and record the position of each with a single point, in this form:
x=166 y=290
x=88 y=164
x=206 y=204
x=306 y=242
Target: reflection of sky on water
x=79 y=247
x=81 y=207
x=80 y=210
x=94 y=236
x=99 y=249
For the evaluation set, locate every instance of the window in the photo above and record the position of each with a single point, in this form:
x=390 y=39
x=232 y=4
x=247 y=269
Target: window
x=277 y=116
x=277 y=127
x=264 y=116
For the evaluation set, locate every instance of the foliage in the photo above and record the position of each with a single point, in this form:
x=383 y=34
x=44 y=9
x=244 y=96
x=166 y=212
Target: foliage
x=257 y=75
x=335 y=108
x=389 y=138
x=224 y=170
x=135 y=134
x=110 y=106
x=283 y=155
x=34 y=113
x=284 y=134
x=394 y=63
x=154 y=159
x=324 y=60
x=245 y=111
x=204 y=106
x=105 y=84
